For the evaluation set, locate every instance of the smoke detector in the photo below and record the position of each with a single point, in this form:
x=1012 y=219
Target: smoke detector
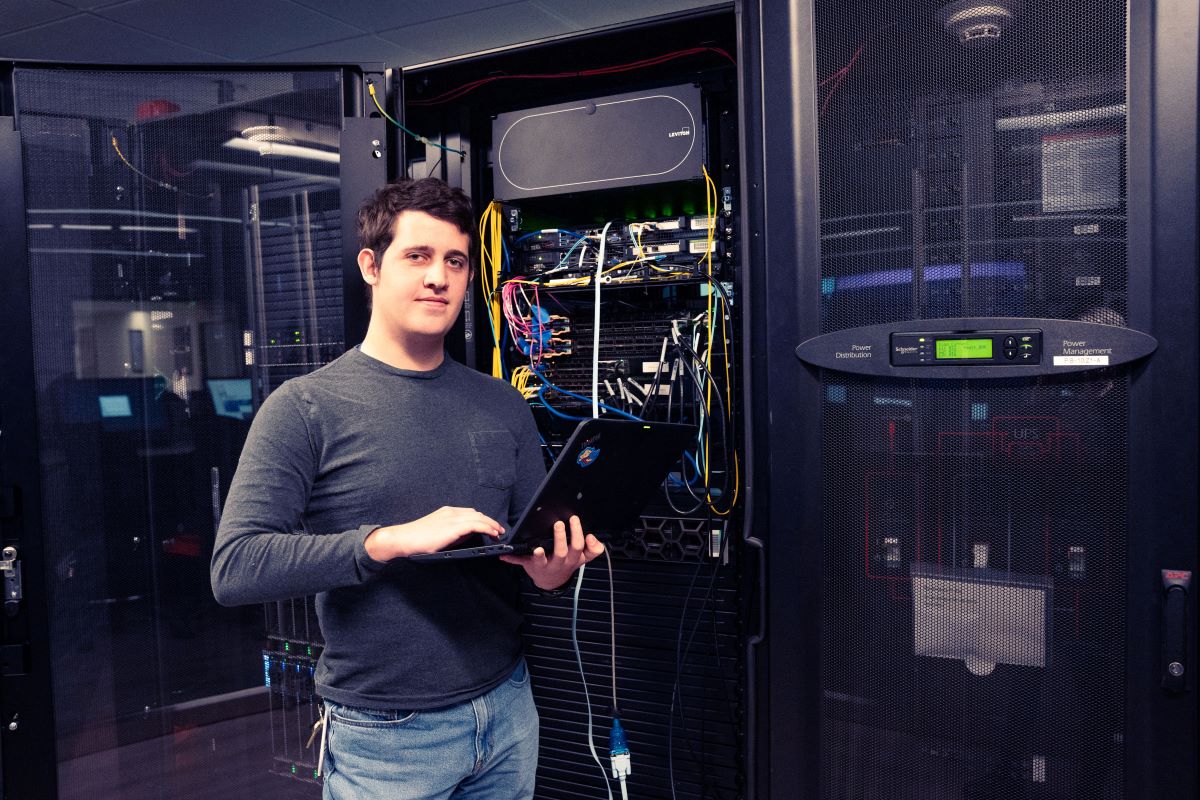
x=978 y=23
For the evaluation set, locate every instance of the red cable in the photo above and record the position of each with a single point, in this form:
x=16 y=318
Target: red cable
x=842 y=75
x=466 y=88
x=844 y=72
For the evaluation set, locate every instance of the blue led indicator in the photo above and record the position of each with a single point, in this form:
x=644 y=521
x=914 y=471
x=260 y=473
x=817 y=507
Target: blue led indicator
x=836 y=393
x=979 y=412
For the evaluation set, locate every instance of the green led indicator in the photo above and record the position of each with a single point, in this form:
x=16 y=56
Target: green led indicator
x=287 y=647
x=309 y=650
x=293 y=769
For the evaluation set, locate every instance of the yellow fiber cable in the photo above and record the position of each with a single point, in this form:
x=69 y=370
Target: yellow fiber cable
x=491 y=251
x=161 y=184
x=422 y=139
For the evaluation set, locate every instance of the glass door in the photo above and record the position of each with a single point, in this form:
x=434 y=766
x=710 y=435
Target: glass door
x=972 y=162
x=184 y=240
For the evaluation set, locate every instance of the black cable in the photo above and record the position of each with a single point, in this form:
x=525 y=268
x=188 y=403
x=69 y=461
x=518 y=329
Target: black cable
x=436 y=164
x=648 y=406
x=681 y=659
x=675 y=687
x=725 y=432
x=724 y=420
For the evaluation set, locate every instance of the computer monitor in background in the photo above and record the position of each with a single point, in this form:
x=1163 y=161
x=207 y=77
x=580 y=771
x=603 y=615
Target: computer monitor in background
x=231 y=397
x=115 y=406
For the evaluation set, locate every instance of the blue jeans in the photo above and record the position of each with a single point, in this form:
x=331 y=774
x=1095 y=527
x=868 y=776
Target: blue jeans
x=483 y=748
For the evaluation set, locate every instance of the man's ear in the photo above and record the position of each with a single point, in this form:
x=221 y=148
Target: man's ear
x=367 y=266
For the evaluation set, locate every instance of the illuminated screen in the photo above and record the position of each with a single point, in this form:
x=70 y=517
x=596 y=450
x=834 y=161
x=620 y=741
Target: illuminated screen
x=115 y=405
x=964 y=348
x=231 y=397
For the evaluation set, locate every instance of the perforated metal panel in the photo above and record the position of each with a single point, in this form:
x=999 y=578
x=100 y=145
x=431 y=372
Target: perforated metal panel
x=974 y=606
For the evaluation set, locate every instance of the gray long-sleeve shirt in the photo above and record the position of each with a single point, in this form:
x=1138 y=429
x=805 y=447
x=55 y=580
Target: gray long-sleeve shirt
x=356 y=445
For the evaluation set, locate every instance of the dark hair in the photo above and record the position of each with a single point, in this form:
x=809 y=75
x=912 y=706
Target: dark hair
x=377 y=215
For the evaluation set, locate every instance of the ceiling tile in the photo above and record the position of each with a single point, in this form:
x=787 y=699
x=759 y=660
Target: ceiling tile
x=355 y=50
x=27 y=13
x=610 y=12
x=478 y=30
x=86 y=38
x=87 y=4
x=374 y=16
x=236 y=28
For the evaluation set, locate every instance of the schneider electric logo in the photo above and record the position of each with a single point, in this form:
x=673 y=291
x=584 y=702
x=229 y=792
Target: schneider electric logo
x=684 y=131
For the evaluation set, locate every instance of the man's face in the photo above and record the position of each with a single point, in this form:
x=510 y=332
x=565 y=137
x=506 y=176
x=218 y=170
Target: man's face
x=419 y=287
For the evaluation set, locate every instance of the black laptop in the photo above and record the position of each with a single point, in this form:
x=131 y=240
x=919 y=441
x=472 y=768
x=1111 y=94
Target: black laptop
x=605 y=474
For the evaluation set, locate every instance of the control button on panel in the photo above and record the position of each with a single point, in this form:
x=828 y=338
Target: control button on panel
x=1010 y=354
x=1010 y=342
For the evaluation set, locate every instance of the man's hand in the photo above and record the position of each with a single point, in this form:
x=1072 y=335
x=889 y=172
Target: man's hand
x=429 y=534
x=551 y=571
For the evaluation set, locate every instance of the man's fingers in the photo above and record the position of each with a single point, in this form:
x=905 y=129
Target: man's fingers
x=560 y=540
x=481 y=523
x=576 y=536
x=491 y=523
x=594 y=547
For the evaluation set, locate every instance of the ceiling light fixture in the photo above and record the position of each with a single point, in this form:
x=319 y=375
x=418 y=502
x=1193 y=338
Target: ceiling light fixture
x=272 y=140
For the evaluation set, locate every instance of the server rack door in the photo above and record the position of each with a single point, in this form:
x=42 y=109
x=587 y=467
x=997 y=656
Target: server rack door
x=182 y=242
x=983 y=577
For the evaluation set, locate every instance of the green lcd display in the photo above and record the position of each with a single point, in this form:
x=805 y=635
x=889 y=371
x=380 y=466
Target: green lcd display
x=963 y=348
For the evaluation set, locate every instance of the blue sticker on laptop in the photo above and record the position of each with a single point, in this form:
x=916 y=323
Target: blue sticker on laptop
x=587 y=456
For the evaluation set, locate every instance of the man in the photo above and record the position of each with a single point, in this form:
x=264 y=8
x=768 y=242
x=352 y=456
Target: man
x=391 y=450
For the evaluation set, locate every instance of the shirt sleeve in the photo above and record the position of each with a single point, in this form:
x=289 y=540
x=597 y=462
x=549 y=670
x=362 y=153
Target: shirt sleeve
x=262 y=552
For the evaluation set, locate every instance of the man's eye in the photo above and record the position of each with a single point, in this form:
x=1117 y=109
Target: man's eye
x=416 y=256
x=457 y=263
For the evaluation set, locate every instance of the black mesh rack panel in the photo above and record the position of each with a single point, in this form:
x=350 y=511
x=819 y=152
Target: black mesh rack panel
x=678 y=686
x=974 y=538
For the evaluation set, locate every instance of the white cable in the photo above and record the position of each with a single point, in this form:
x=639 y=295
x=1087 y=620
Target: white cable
x=596 y=325
x=702 y=462
x=583 y=679
x=624 y=791
x=324 y=741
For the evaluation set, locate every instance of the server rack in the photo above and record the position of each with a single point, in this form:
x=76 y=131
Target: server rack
x=157 y=244
x=684 y=581
x=910 y=154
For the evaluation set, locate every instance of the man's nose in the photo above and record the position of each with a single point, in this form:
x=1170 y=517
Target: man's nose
x=435 y=275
